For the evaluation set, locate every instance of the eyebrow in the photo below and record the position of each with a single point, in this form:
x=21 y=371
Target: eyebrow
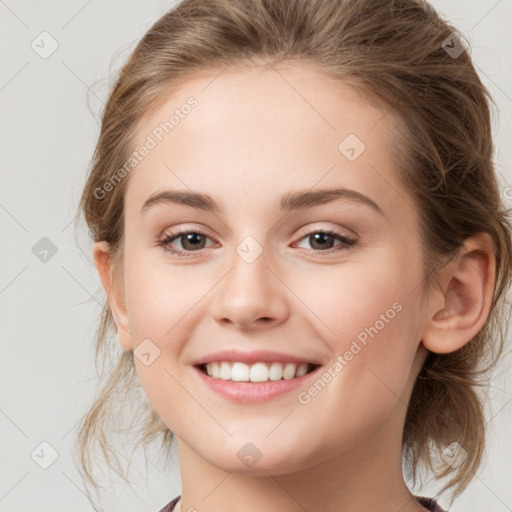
x=289 y=202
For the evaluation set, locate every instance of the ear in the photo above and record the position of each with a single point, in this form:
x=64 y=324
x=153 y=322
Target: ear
x=460 y=309
x=101 y=252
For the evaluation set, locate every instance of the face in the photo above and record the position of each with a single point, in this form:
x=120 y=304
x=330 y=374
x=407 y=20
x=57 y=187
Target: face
x=334 y=280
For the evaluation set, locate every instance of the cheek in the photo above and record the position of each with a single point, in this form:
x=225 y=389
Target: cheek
x=161 y=296
x=374 y=319
x=350 y=298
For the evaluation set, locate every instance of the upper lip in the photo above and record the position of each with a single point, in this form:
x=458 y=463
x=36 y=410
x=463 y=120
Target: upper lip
x=253 y=357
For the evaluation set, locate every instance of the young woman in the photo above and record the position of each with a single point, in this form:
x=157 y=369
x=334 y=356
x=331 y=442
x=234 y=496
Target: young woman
x=298 y=226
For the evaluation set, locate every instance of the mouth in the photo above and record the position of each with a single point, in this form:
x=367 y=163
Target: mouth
x=259 y=372
x=255 y=376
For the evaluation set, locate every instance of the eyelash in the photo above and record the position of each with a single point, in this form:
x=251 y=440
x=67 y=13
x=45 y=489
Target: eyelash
x=348 y=242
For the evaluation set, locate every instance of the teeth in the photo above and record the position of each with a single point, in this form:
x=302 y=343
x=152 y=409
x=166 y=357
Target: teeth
x=258 y=372
x=239 y=372
x=276 y=371
x=302 y=370
x=225 y=371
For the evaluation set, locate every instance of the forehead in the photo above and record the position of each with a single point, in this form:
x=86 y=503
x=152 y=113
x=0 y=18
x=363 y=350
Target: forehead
x=245 y=133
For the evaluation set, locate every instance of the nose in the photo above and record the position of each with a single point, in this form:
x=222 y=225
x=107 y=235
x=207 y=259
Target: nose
x=251 y=295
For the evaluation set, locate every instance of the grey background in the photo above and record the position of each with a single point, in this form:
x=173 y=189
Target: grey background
x=49 y=309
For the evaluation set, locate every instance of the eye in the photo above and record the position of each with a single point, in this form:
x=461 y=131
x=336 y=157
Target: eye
x=193 y=241
x=322 y=241
x=190 y=242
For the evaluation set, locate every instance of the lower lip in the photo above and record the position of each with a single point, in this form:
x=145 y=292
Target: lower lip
x=253 y=391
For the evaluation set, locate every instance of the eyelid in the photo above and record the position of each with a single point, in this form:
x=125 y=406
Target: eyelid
x=313 y=229
x=182 y=229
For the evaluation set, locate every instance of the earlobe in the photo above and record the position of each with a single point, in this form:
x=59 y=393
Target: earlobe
x=102 y=261
x=465 y=298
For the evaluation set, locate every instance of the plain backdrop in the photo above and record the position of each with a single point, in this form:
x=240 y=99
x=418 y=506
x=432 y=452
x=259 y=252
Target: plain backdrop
x=49 y=309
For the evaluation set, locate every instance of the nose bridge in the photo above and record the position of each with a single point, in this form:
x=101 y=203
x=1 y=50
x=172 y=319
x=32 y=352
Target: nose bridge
x=249 y=265
x=250 y=290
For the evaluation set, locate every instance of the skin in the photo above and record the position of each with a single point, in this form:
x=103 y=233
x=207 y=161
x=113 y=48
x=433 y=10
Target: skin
x=253 y=137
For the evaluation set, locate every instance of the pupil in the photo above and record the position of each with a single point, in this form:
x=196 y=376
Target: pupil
x=321 y=237
x=193 y=239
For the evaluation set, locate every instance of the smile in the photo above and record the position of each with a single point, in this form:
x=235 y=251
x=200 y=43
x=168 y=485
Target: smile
x=266 y=384
x=258 y=372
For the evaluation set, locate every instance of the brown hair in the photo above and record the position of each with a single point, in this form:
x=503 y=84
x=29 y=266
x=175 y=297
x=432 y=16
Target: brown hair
x=392 y=52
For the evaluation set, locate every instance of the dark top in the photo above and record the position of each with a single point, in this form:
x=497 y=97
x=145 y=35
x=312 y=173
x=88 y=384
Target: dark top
x=430 y=503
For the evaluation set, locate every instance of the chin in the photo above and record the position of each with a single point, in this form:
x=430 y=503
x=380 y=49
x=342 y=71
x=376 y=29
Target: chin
x=250 y=461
